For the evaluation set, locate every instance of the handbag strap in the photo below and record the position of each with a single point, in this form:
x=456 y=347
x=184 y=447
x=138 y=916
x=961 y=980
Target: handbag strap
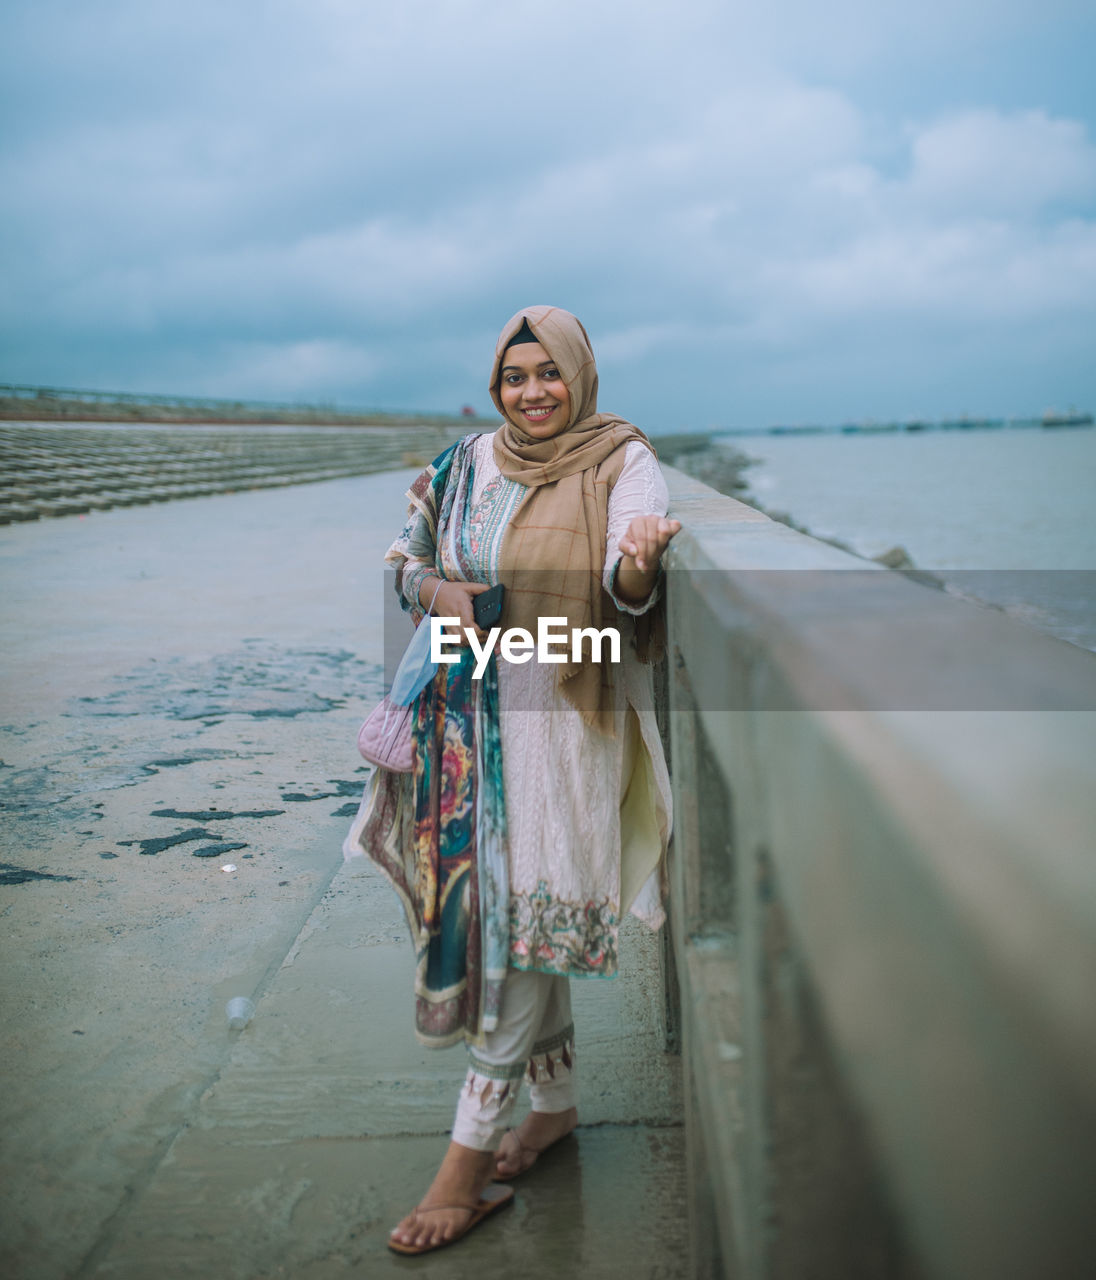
x=430 y=607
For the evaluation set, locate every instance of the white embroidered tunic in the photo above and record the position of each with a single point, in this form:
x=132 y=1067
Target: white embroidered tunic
x=588 y=816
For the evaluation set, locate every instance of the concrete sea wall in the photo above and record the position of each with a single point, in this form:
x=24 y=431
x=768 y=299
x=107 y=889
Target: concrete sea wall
x=73 y=469
x=884 y=916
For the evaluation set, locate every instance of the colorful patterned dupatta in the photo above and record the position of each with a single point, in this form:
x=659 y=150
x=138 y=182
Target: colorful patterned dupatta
x=439 y=833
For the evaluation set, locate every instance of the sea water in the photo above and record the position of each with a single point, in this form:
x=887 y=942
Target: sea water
x=1019 y=502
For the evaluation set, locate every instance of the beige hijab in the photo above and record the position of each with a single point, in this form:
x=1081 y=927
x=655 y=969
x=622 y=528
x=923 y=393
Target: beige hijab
x=554 y=549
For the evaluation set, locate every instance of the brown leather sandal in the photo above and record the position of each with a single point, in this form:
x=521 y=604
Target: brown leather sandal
x=493 y=1199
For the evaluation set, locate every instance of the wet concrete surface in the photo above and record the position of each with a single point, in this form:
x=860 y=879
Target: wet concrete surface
x=182 y=690
x=326 y=1123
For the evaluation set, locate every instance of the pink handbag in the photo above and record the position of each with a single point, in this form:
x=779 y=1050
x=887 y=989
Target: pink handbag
x=385 y=737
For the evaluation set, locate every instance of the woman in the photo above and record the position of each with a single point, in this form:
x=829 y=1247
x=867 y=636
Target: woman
x=538 y=809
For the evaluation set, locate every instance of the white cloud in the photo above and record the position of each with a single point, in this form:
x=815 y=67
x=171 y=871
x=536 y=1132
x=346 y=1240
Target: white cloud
x=985 y=163
x=974 y=231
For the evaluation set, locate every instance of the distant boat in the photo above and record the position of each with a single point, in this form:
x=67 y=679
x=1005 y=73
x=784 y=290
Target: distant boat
x=1066 y=420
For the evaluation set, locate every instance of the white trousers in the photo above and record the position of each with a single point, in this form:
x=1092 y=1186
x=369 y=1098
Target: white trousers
x=534 y=1041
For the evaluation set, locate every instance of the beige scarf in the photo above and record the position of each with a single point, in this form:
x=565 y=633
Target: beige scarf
x=553 y=551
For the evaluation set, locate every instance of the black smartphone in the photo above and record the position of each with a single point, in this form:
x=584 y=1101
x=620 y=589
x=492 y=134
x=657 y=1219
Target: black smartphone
x=487 y=606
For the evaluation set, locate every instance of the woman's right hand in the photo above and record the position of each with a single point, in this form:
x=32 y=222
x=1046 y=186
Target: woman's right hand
x=454 y=600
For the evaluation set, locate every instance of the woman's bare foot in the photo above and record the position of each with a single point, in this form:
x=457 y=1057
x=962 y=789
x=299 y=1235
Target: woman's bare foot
x=520 y=1147
x=461 y=1180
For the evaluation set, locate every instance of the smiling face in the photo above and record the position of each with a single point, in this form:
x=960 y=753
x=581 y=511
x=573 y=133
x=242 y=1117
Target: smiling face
x=533 y=393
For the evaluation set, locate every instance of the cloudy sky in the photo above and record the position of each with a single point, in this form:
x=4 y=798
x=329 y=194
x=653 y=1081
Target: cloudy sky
x=763 y=212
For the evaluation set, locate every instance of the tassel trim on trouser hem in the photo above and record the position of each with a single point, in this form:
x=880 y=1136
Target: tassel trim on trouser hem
x=551 y=1056
x=486 y=1103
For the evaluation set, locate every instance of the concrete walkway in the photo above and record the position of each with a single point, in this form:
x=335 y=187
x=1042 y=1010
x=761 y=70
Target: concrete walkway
x=178 y=680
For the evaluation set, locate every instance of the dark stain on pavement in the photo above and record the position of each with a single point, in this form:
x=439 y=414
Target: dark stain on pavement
x=159 y=843
x=177 y=762
x=11 y=874
x=290 y=713
x=347 y=786
x=215 y=850
x=215 y=815
x=343 y=787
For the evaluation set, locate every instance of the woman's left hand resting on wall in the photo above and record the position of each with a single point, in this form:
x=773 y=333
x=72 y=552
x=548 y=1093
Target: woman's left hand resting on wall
x=647 y=537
